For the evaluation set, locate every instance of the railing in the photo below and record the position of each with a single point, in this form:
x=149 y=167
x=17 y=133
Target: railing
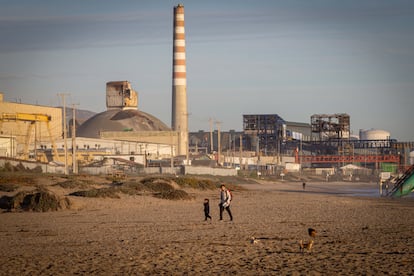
x=401 y=181
x=349 y=158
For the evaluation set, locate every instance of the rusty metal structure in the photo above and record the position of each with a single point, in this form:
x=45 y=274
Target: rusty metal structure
x=120 y=95
x=330 y=126
x=265 y=132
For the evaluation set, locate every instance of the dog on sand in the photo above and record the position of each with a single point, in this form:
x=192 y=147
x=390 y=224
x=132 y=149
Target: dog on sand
x=253 y=240
x=305 y=246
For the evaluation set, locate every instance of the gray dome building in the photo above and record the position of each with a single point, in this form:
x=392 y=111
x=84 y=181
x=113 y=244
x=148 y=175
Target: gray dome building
x=122 y=114
x=120 y=120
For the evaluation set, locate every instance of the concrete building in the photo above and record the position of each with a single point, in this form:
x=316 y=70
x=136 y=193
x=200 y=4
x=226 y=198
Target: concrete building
x=95 y=149
x=119 y=94
x=124 y=122
x=122 y=114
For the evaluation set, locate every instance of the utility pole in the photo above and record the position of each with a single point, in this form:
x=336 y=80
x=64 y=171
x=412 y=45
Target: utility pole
x=188 y=140
x=241 y=151
x=172 y=151
x=74 y=159
x=211 y=134
x=64 y=131
x=300 y=156
x=218 y=142
x=233 y=152
x=35 y=140
x=229 y=148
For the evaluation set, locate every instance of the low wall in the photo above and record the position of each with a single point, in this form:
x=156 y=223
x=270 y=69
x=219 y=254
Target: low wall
x=169 y=170
x=96 y=170
x=104 y=170
x=209 y=171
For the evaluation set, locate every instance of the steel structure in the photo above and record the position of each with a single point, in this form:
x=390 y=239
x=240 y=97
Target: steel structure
x=343 y=150
x=328 y=126
x=32 y=119
x=265 y=132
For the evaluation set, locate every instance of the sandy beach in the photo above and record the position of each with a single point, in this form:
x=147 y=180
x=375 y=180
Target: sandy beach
x=143 y=235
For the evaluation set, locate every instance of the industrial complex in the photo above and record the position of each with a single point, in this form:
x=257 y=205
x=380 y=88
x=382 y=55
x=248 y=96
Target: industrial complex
x=125 y=138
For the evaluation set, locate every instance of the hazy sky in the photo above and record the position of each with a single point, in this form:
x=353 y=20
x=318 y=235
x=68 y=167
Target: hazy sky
x=292 y=58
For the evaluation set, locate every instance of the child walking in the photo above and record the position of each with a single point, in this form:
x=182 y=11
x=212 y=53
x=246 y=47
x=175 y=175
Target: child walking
x=206 y=209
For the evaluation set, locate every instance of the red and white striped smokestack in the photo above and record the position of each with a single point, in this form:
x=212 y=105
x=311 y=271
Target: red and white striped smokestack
x=179 y=118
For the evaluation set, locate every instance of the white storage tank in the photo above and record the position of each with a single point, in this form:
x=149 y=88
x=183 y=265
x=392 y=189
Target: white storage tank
x=353 y=137
x=374 y=134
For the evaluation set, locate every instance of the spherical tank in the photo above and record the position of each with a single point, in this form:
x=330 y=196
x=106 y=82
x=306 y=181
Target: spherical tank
x=374 y=134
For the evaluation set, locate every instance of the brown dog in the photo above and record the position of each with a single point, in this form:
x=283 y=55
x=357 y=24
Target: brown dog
x=305 y=245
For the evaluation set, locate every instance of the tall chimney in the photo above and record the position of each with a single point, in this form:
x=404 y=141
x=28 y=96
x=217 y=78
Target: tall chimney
x=179 y=118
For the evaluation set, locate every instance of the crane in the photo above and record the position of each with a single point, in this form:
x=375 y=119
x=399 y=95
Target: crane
x=32 y=118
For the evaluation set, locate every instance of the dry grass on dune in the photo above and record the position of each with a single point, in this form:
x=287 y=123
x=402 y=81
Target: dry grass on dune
x=30 y=192
x=39 y=200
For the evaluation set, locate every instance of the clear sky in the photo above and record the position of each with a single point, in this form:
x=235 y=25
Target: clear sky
x=292 y=58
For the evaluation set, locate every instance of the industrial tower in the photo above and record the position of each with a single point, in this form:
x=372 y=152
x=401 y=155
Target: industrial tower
x=179 y=117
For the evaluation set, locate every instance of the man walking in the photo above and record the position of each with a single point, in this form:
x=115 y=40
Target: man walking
x=225 y=199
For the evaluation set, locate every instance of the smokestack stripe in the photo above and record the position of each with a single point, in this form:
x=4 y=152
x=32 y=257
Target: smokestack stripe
x=179 y=63
x=179 y=56
x=179 y=116
x=180 y=43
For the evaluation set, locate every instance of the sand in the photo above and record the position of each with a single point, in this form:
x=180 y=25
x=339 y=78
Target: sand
x=142 y=235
